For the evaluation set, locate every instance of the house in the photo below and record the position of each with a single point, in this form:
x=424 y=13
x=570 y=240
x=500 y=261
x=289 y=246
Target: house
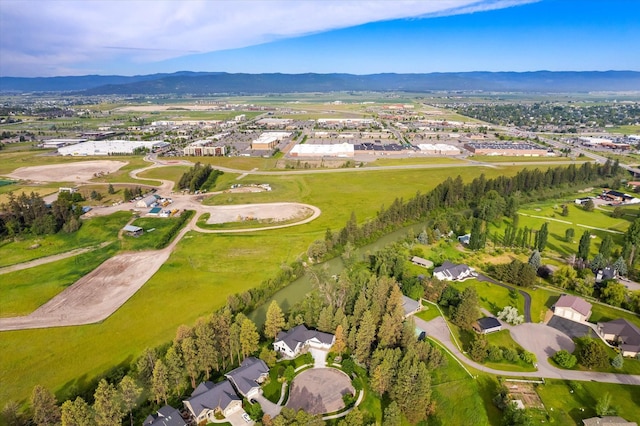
x=452 y=272
x=291 y=343
x=464 y=239
x=487 y=325
x=421 y=262
x=133 y=231
x=247 y=378
x=410 y=306
x=167 y=416
x=623 y=333
x=607 y=421
x=148 y=201
x=208 y=399
x=573 y=308
x=608 y=273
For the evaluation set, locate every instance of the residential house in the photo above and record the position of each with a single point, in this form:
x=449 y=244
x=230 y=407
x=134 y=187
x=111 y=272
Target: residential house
x=623 y=333
x=608 y=273
x=166 y=416
x=573 y=308
x=291 y=343
x=247 y=378
x=209 y=398
x=451 y=272
x=421 y=262
x=487 y=325
x=410 y=306
x=607 y=421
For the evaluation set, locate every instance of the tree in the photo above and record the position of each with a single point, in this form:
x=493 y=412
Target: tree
x=11 y=414
x=613 y=293
x=603 y=406
x=618 y=361
x=593 y=355
x=589 y=205
x=583 y=246
x=107 y=404
x=528 y=357
x=564 y=277
x=274 y=321
x=268 y=356
x=467 y=311
x=535 y=259
x=111 y=190
x=598 y=262
x=190 y=359
x=606 y=246
x=510 y=315
x=478 y=349
x=365 y=336
x=565 y=359
x=621 y=266
x=541 y=237
x=339 y=345
x=129 y=392
x=569 y=234
x=249 y=337
x=392 y=415
x=565 y=210
x=160 y=382
x=77 y=413
x=478 y=237
x=45 y=407
x=206 y=350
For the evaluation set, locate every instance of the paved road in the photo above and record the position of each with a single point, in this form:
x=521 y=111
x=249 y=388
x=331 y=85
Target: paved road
x=536 y=338
x=527 y=297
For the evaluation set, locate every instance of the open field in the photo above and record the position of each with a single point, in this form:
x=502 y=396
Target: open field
x=76 y=172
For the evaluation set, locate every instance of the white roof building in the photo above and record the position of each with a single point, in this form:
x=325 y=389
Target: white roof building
x=119 y=147
x=321 y=150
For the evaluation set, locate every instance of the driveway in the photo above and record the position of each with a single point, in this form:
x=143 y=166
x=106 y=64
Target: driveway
x=571 y=328
x=540 y=345
x=319 y=357
x=268 y=407
x=236 y=419
x=527 y=297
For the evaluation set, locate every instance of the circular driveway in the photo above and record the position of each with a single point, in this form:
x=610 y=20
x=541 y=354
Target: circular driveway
x=319 y=390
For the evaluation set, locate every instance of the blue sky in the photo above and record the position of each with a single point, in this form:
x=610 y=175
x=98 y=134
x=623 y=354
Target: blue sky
x=68 y=37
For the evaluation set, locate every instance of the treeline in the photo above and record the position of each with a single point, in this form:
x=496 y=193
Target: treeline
x=452 y=203
x=199 y=178
x=166 y=239
x=29 y=215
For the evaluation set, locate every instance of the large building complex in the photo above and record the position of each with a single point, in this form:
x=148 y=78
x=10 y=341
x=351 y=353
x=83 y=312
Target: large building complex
x=205 y=148
x=268 y=140
x=111 y=147
x=320 y=150
x=506 y=148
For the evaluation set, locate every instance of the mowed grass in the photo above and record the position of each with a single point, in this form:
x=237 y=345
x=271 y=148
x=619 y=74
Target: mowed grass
x=22 y=292
x=198 y=277
x=172 y=173
x=492 y=297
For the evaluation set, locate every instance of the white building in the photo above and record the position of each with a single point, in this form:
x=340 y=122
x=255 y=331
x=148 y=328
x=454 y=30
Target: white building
x=320 y=150
x=117 y=147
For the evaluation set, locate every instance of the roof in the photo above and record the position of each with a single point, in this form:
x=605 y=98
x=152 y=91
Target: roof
x=131 y=228
x=155 y=210
x=452 y=269
x=301 y=334
x=247 y=375
x=607 y=421
x=409 y=305
x=167 y=416
x=627 y=332
x=574 y=302
x=487 y=323
x=209 y=396
x=421 y=261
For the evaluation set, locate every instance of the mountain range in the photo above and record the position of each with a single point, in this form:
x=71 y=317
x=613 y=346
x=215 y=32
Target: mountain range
x=203 y=83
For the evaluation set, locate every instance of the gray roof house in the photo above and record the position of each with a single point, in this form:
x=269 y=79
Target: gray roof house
x=624 y=333
x=451 y=272
x=246 y=379
x=488 y=325
x=410 y=306
x=290 y=343
x=209 y=398
x=167 y=416
x=573 y=308
x=607 y=421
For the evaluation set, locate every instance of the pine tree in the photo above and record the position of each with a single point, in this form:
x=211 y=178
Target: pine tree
x=249 y=337
x=584 y=245
x=107 y=404
x=129 y=392
x=45 y=407
x=274 y=321
x=77 y=413
x=541 y=237
x=606 y=246
x=160 y=382
x=535 y=260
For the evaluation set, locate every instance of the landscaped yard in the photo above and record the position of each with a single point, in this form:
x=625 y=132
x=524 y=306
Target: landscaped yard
x=492 y=297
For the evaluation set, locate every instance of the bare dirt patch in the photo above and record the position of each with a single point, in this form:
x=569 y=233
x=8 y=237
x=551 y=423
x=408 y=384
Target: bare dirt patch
x=81 y=171
x=272 y=212
x=526 y=393
x=319 y=390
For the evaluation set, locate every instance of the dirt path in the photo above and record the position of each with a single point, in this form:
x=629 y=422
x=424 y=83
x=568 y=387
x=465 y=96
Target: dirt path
x=52 y=258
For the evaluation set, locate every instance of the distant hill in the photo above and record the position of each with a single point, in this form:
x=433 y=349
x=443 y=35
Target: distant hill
x=182 y=83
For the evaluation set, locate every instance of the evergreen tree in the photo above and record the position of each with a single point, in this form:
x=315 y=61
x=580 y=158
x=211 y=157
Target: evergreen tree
x=477 y=240
x=107 y=404
x=77 y=413
x=535 y=260
x=274 y=321
x=569 y=234
x=541 y=237
x=45 y=407
x=129 y=392
x=584 y=245
x=606 y=246
x=621 y=266
x=160 y=382
x=467 y=310
x=249 y=337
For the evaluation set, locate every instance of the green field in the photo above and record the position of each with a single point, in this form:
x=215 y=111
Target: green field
x=492 y=297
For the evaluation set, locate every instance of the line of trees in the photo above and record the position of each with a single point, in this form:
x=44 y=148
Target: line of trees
x=29 y=215
x=199 y=177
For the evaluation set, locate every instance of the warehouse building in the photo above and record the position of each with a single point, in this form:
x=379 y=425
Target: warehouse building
x=319 y=150
x=59 y=143
x=438 y=149
x=268 y=141
x=111 y=147
x=507 y=148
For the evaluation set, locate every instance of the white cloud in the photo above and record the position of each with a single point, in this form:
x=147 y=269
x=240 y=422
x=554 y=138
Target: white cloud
x=63 y=34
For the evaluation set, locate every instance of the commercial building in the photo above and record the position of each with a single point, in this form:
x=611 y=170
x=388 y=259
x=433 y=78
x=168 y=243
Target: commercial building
x=205 y=148
x=268 y=141
x=438 y=149
x=506 y=148
x=59 y=143
x=320 y=150
x=119 y=147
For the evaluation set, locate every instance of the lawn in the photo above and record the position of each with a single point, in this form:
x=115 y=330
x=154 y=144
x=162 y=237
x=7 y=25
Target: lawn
x=428 y=312
x=492 y=297
x=172 y=173
x=603 y=313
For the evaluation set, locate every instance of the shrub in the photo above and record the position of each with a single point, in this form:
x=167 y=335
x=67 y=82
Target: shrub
x=565 y=359
x=478 y=349
x=528 y=357
x=494 y=353
x=618 y=361
x=593 y=354
x=510 y=354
